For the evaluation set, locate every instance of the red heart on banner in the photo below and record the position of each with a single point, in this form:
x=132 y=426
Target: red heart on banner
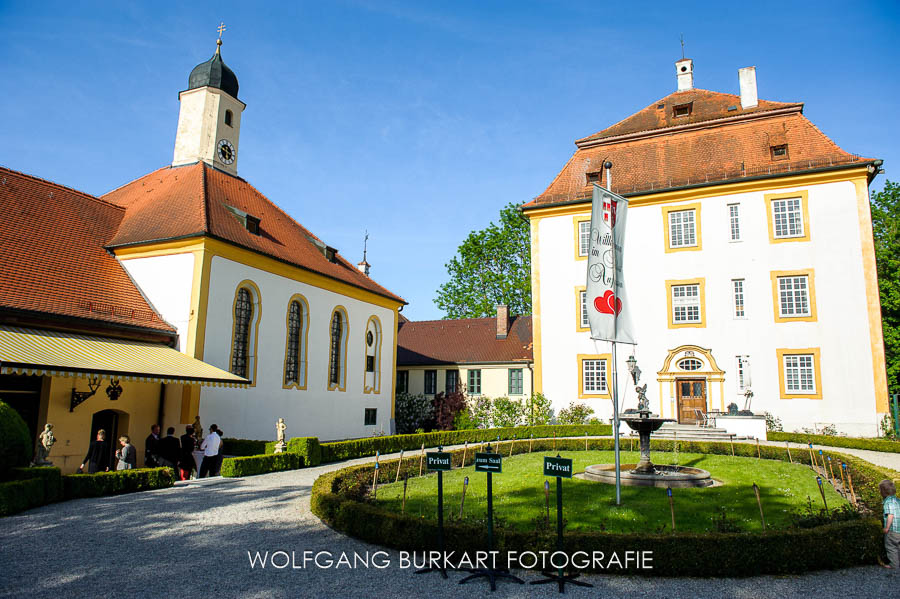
x=604 y=303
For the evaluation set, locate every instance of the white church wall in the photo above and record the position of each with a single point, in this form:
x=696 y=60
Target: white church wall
x=841 y=331
x=315 y=411
x=166 y=283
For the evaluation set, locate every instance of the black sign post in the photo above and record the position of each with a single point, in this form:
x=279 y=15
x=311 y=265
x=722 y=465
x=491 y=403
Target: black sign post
x=560 y=468
x=439 y=461
x=489 y=463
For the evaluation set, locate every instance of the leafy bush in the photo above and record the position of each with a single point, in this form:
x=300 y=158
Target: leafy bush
x=773 y=423
x=850 y=442
x=462 y=421
x=243 y=447
x=479 y=409
x=412 y=412
x=100 y=484
x=15 y=440
x=888 y=426
x=576 y=413
x=537 y=410
x=506 y=412
x=261 y=464
x=446 y=407
x=339 y=499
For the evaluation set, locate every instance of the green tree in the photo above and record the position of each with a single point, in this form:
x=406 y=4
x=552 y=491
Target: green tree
x=886 y=231
x=492 y=266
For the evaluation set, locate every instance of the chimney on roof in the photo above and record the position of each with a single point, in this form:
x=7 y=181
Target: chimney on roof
x=747 y=77
x=502 y=321
x=684 y=70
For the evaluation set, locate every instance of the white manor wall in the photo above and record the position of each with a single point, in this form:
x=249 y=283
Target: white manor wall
x=841 y=331
x=251 y=413
x=166 y=283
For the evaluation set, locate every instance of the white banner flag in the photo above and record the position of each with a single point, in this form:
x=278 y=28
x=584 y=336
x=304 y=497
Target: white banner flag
x=607 y=303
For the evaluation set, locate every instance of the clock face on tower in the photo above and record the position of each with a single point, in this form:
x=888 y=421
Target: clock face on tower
x=226 y=152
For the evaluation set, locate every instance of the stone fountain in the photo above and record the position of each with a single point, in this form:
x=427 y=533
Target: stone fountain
x=645 y=473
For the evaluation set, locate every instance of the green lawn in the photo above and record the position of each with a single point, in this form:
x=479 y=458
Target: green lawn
x=519 y=494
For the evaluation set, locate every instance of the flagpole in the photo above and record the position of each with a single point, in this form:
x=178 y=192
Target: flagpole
x=615 y=372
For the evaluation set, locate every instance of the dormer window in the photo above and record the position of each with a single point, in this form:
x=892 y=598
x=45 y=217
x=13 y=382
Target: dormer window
x=228 y=117
x=594 y=177
x=331 y=254
x=779 y=152
x=250 y=222
x=682 y=109
x=253 y=224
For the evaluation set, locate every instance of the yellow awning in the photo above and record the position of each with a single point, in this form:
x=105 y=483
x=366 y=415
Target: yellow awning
x=54 y=353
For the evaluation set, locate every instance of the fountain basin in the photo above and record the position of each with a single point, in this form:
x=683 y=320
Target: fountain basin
x=663 y=476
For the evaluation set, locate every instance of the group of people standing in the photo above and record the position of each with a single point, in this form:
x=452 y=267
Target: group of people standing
x=168 y=452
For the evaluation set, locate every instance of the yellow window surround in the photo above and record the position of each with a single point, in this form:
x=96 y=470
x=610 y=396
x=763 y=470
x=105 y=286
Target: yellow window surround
x=302 y=364
x=253 y=332
x=578 y=324
x=810 y=274
x=701 y=283
x=576 y=223
x=376 y=379
x=803 y=196
x=815 y=352
x=341 y=385
x=580 y=358
x=666 y=211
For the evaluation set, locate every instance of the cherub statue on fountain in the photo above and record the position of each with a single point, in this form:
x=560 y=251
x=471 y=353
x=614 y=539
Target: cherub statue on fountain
x=643 y=402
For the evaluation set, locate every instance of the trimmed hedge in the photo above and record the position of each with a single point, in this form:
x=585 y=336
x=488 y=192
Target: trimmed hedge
x=340 y=499
x=834 y=441
x=76 y=486
x=15 y=440
x=308 y=447
x=260 y=464
x=243 y=447
x=360 y=448
x=29 y=487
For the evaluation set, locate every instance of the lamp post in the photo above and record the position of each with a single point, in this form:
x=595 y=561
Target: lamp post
x=633 y=369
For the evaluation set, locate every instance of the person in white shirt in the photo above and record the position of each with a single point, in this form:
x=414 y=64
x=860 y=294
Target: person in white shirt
x=210 y=447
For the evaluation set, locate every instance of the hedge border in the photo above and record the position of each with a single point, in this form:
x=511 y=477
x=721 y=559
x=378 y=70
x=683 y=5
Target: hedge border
x=340 y=499
x=884 y=445
x=101 y=484
x=260 y=464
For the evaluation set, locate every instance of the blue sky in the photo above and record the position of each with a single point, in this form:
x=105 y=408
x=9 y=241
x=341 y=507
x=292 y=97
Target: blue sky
x=415 y=120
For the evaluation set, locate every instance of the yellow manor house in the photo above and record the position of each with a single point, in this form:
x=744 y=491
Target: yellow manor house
x=163 y=299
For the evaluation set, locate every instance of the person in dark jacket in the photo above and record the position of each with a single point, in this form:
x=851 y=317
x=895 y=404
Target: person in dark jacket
x=97 y=457
x=186 y=463
x=151 y=448
x=169 y=449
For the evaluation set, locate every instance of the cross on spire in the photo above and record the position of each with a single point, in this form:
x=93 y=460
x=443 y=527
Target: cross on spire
x=682 y=46
x=222 y=29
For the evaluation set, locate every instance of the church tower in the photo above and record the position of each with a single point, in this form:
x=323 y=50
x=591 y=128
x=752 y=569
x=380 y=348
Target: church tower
x=209 y=122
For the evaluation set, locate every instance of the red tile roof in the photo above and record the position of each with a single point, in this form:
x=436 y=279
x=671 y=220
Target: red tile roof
x=652 y=150
x=464 y=341
x=52 y=259
x=192 y=200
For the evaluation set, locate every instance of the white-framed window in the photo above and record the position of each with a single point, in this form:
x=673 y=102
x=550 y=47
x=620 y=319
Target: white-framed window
x=690 y=364
x=584 y=237
x=593 y=376
x=734 y=221
x=583 y=316
x=685 y=303
x=793 y=296
x=799 y=373
x=682 y=228
x=737 y=287
x=787 y=218
x=743 y=372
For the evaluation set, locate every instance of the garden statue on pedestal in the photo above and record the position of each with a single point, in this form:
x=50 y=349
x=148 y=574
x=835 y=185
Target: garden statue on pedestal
x=45 y=442
x=280 y=427
x=198 y=431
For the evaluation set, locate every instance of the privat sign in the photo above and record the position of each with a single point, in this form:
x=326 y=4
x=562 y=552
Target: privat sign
x=557 y=466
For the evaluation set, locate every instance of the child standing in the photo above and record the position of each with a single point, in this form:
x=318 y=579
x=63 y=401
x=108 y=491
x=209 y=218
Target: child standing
x=891 y=523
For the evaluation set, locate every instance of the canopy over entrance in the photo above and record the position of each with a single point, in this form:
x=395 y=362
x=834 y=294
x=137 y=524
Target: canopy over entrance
x=55 y=353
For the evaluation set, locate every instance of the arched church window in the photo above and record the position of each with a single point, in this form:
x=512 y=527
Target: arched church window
x=228 y=117
x=240 y=349
x=295 y=350
x=338 y=350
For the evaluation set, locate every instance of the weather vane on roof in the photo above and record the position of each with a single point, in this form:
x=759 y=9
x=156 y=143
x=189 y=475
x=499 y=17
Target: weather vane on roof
x=365 y=245
x=682 y=46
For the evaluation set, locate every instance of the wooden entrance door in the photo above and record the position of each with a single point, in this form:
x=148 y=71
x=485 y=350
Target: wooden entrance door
x=691 y=397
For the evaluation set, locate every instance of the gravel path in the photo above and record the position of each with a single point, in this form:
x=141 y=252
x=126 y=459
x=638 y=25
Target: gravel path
x=194 y=539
